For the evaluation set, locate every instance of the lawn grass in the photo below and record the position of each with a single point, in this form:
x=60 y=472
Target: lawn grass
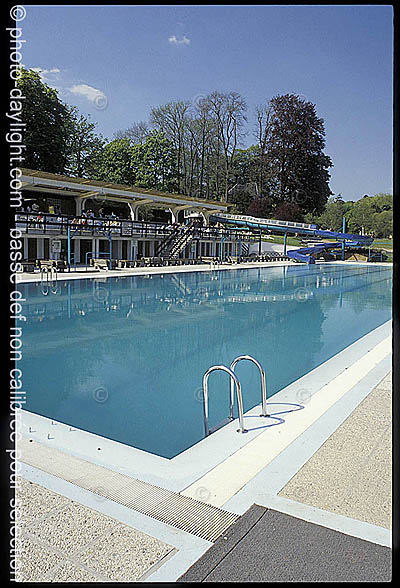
x=280 y=239
x=384 y=243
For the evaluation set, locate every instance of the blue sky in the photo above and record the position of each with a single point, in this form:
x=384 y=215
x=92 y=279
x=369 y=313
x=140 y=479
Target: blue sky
x=116 y=62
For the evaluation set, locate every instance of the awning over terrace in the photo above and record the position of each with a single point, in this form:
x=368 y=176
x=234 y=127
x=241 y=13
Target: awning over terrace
x=82 y=189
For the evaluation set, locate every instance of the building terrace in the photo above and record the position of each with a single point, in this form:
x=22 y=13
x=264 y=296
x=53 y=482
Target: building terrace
x=75 y=219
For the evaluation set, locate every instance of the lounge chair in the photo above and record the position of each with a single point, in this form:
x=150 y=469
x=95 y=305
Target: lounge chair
x=28 y=266
x=99 y=264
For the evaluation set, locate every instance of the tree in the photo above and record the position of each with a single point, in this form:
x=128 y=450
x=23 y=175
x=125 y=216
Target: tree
x=265 y=166
x=171 y=119
x=383 y=224
x=136 y=133
x=244 y=175
x=372 y=214
x=148 y=165
x=202 y=128
x=228 y=111
x=260 y=208
x=295 y=149
x=154 y=163
x=47 y=121
x=288 y=211
x=114 y=163
x=332 y=217
x=84 y=146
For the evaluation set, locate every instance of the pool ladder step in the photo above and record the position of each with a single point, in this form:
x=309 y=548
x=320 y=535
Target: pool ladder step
x=234 y=384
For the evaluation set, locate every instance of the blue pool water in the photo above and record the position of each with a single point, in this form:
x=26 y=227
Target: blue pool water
x=124 y=357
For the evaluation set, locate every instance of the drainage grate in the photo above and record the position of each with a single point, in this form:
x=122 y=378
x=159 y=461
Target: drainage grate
x=185 y=513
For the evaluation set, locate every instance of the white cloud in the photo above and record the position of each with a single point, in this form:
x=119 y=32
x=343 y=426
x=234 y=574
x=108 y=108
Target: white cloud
x=92 y=94
x=44 y=73
x=41 y=70
x=175 y=41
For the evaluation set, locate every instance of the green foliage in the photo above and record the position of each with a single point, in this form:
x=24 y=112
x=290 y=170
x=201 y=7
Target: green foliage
x=84 y=145
x=332 y=217
x=151 y=164
x=372 y=215
x=155 y=163
x=114 y=163
x=47 y=122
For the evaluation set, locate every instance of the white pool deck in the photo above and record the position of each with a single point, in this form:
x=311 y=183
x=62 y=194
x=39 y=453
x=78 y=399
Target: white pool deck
x=330 y=411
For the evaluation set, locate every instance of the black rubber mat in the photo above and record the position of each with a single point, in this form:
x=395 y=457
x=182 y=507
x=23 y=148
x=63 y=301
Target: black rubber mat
x=269 y=546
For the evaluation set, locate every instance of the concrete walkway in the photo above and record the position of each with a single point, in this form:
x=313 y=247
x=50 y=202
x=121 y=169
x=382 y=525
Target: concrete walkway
x=83 y=273
x=350 y=475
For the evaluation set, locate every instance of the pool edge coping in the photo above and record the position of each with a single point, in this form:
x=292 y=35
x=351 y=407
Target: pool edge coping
x=180 y=472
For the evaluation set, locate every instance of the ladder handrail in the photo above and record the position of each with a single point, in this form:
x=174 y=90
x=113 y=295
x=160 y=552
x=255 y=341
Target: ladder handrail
x=233 y=378
x=50 y=274
x=263 y=380
x=53 y=289
x=42 y=270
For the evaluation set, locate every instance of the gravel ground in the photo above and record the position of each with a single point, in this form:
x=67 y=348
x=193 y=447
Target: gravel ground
x=63 y=541
x=351 y=473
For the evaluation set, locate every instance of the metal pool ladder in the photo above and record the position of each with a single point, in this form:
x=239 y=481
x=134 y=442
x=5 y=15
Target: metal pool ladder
x=44 y=285
x=263 y=380
x=234 y=383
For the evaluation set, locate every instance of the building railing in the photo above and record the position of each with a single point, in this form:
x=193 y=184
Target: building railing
x=57 y=225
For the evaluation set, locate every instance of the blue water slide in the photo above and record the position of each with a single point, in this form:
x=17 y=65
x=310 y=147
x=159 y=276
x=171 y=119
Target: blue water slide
x=304 y=254
x=307 y=254
x=265 y=224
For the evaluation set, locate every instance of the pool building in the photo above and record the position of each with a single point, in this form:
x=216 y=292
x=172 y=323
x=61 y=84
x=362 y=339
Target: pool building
x=82 y=219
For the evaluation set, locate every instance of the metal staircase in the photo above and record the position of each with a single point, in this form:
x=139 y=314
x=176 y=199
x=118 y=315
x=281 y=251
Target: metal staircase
x=176 y=241
x=245 y=250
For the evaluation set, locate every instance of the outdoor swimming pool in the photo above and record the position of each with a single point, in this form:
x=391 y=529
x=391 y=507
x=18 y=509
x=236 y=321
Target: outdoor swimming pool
x=124 y=357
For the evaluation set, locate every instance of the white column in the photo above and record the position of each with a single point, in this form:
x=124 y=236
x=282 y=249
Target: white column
x=133 y=210
x=207 y=215
x=173 y=215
